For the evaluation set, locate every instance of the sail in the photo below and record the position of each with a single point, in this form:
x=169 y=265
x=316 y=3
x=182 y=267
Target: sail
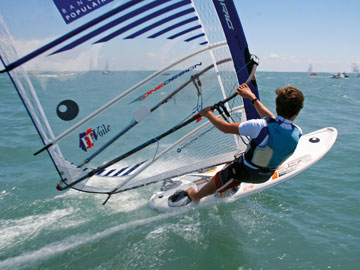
x=355 y=69
x=169 y=58
x=107 y=70
x=310 y=72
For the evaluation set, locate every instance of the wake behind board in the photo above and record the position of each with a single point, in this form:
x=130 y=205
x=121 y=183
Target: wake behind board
x=311 y=148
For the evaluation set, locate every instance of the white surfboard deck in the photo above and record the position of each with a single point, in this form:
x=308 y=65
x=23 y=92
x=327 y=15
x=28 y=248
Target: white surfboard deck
x=311 y=148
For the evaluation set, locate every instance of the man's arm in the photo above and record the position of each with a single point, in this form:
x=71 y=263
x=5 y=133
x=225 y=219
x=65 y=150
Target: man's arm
x=244 y=91
x=232 y=128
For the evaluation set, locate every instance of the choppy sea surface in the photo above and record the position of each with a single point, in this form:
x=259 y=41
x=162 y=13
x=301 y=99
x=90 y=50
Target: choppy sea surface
x=309 y=222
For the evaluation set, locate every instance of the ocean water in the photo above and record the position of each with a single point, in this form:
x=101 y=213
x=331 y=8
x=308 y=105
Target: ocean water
x=309 y=222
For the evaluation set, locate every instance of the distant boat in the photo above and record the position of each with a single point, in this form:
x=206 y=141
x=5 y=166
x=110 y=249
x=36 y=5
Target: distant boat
x=311 y=73
x=340 y=75
x=106 y=70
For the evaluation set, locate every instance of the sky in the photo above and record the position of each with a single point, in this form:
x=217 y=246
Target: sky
x=287 y=35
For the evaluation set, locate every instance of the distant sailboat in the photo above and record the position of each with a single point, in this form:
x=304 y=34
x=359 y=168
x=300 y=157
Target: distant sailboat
x=355 y=69
x=106 y=70
x=311 y=73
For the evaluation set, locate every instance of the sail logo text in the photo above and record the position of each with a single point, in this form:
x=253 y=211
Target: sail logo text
x=88 y=138
x=166 y=82
x=171 y=79
x=72 y=10
x=226 y=14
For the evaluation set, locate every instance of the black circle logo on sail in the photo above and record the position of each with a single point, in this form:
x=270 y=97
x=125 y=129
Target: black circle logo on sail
x=67 y=110
x=314 y=140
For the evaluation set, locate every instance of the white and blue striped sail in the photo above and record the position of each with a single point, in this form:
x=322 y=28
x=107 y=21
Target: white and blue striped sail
x=169 y=59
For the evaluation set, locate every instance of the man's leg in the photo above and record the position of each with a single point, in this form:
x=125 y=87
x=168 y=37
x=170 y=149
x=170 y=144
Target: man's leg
x=206 y=190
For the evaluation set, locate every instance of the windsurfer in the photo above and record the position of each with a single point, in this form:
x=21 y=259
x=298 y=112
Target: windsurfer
x=273 y=140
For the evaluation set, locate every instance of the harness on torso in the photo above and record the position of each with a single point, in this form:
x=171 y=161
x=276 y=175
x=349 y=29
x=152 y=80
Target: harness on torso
x=282 y=143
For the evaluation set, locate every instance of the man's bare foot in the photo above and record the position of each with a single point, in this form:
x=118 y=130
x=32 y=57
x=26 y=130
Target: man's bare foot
x=192 y=194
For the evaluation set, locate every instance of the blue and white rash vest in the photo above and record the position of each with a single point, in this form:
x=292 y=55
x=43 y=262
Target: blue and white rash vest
x=273 y=141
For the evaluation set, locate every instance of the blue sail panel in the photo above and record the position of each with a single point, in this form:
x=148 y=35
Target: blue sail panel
x=238 y=47
x=113 y=23
x=173 y=27
x=144 y=20
x=69 y=35
x=185 y=31
x=161 y=22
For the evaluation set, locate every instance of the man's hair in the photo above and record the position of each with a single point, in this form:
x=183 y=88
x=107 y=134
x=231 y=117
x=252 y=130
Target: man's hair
x=289 y=101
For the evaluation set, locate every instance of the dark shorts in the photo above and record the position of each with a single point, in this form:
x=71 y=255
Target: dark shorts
x=237 y=172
